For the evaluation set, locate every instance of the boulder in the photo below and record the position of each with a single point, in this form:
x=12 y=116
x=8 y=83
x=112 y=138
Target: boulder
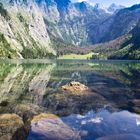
x=51 y=127
x=11 y=127
x=75 y=87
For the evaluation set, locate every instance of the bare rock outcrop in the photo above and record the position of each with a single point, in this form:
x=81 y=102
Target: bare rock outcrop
x=11 y=127
x=51 y=127
x=75 y=87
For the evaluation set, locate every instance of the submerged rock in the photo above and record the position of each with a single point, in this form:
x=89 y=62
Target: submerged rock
x=11 y=127
x=75 y=87
x=65 y=104
x=73 y=98
x=51 y=127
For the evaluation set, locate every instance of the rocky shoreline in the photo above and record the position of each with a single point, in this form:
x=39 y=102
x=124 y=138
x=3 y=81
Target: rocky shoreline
x=12 y=127
x=35 y=124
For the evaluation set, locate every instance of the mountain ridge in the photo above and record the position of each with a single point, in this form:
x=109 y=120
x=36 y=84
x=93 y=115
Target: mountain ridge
x=29 y=27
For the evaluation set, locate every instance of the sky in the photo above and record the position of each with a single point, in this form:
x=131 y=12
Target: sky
x=106 y=3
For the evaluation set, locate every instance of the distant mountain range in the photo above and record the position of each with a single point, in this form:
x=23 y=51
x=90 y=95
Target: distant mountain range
x=37 y=28
x=71 y=21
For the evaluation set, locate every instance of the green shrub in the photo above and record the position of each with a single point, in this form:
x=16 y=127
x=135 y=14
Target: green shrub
x=5 y=48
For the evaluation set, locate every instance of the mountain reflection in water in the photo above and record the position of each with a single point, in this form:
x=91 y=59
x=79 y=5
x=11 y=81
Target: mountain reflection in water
x=31 y=99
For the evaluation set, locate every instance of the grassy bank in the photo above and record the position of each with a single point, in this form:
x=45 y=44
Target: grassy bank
x=77 y=56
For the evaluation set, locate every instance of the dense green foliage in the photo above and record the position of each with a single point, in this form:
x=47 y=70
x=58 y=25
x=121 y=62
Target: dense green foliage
x=5 y=48
x=36 y=53
x=125 y=47
x=63 y=48
x=131 y=48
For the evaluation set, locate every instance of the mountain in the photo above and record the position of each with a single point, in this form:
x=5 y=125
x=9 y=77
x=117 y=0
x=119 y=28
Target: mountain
x=70 y=23
x=99 y=7
x=115 y=26
x=39 y=28
x=131 y=48
x=23 y=31
x=124 y=47
x=83 y=24
x=26 y=25
x=113 y=8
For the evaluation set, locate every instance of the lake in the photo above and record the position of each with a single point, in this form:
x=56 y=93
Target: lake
x=33 y=106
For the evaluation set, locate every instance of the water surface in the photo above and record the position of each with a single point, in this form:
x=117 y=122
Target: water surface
x=111 y=111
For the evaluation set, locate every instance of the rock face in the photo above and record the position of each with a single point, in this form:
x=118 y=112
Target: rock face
x=69 y=21
x=24 y=31
x=116 y=25
x=11 y=127
x=65 y=20
x=114 y=8
x=82 y=24
x=51 y=127
x=74 y=87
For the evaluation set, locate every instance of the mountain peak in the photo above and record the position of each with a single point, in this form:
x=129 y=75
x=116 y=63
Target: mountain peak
x=98 y=6
x=114 y=7
x=62 y=3
x=83 y=5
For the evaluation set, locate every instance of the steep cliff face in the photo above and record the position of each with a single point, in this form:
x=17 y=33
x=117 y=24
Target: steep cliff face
x=69 y=21
x=24 y=30
x=77 y=23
